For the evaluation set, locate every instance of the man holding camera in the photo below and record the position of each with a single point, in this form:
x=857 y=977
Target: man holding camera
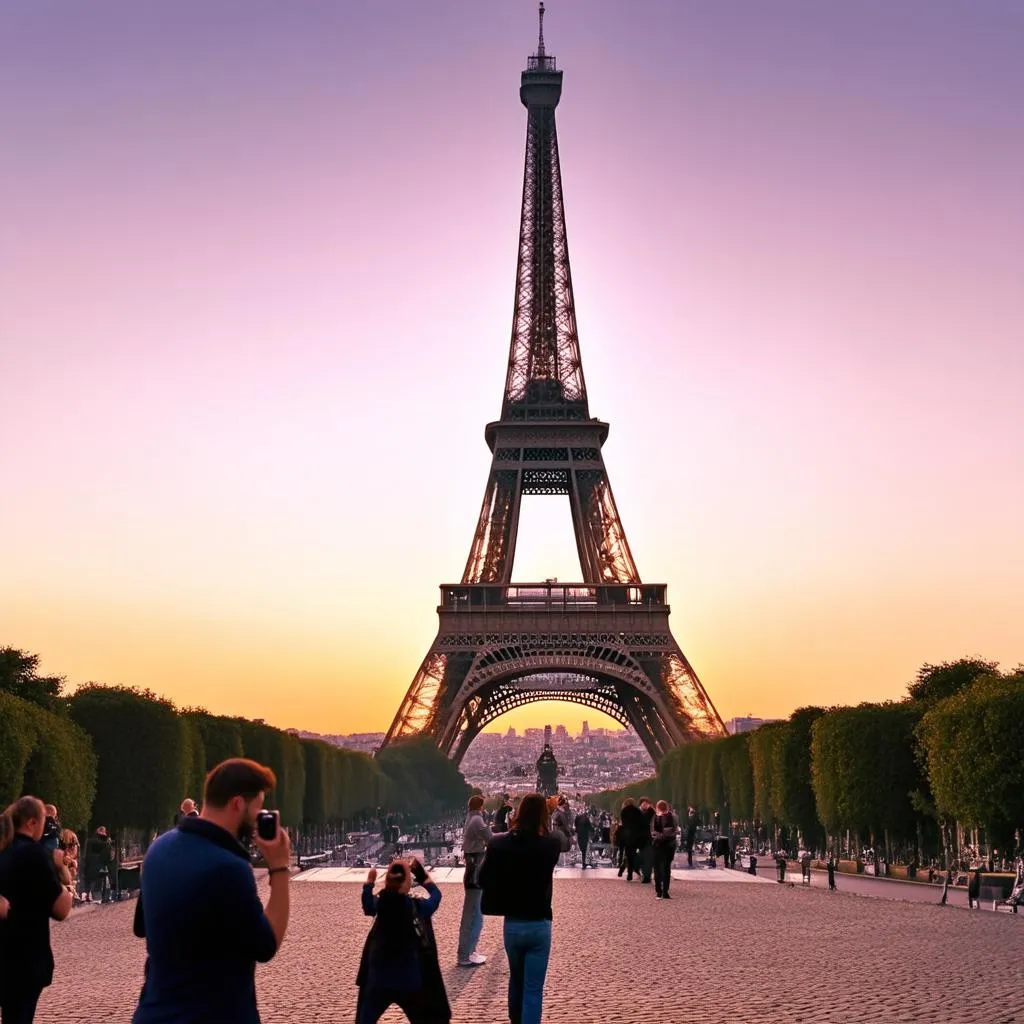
x=199 y=911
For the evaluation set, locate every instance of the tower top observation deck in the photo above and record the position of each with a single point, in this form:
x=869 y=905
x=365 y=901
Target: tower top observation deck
x=542 y=81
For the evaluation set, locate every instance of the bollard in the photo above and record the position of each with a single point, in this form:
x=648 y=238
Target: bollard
x=780 y=866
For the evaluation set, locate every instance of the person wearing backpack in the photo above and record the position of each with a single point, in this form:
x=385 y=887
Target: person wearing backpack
x=665 y=834
x=399 y=964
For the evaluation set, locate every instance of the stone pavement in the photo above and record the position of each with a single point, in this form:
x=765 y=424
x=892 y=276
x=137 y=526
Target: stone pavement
x=719 y=950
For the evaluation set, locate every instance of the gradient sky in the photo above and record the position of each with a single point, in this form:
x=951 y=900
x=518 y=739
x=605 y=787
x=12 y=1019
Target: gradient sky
x=256 y=270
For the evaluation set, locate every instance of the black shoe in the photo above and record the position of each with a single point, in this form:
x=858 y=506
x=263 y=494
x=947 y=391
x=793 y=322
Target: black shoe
x=658 y=896
x=646 y=881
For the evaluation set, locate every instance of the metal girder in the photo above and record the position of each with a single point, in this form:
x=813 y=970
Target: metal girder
x=497 y=639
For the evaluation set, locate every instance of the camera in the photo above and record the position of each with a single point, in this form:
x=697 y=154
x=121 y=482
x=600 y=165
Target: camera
x=267 y=823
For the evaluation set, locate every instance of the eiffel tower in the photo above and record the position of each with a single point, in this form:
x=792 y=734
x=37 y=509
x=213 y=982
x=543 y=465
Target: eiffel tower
x=604 y=643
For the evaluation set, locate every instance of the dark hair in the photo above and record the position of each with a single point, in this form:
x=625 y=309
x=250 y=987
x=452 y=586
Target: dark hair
x=237 y=776
x=661 y=805
x=476 y=802
x=25 y=808
x=533 y=815
x=628 y=802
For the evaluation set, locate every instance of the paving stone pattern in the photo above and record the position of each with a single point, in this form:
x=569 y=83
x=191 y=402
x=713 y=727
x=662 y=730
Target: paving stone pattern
x=746 y=954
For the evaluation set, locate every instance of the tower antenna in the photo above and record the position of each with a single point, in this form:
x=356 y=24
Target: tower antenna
x=540 y=41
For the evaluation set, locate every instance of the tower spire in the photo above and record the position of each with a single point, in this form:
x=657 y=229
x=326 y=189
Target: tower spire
x=540 y=41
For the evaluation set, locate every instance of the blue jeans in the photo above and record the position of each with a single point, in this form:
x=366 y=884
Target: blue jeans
x=472 y=923
x=527 y=946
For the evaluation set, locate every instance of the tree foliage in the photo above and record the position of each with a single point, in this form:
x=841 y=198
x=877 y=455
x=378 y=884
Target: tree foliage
x=220 y=735
x=972 y=743
x=45 y=755
x=19 y=677
x=764 y=761
x=864 y=767
x=937 y=682
x=420 y=780
x=792 y=792
x=737 y=776
x=143 y=763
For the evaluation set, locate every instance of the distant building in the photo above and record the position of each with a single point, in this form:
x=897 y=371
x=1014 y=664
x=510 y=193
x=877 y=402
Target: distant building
x=511 y=734
x=561 y=733
x=547 y=735
x=748 y=724
x=585 y=731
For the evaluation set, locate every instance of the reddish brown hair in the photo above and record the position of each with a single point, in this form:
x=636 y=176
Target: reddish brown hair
x=533 y=815
x=237 y=776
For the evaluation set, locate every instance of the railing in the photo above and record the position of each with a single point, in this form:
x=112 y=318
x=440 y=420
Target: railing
x=544 y=63
x=476 y=596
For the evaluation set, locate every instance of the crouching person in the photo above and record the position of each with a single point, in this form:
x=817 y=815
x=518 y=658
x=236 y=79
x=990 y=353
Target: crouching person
x=399 y=964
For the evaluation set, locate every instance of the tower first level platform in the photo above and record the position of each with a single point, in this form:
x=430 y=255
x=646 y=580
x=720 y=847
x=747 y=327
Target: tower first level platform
x=606 y=646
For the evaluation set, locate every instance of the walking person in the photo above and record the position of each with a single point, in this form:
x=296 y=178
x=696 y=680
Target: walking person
x=644 y=848
x=475 y=837
x=974 y=890
x=561 y=821
x=502 y=814
x=99 y=856
x=199 y=911
x=666 y=831
x=399 y=965
x=691 y=834
x=583 y=830
x=632 y=823
x=516 y=879
x=30 y=895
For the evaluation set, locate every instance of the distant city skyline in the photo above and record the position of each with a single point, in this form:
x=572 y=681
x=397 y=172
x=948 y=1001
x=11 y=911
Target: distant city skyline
x=258 y=292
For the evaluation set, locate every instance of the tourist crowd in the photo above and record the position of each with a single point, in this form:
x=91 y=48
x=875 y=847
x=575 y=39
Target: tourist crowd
x=200 y=966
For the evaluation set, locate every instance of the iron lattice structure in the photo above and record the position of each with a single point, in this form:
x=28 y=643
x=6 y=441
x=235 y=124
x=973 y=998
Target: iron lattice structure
x=604 y=643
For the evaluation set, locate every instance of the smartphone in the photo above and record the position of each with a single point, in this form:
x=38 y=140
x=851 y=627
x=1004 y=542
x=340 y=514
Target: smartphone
x=418 y=871
x=267 y=823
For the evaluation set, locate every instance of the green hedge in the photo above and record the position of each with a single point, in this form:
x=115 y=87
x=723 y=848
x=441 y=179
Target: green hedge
x=144 y=763
x=48 y=756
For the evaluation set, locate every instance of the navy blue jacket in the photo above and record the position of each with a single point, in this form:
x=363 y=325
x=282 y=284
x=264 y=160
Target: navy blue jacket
x=393 y=959
x=204 y=926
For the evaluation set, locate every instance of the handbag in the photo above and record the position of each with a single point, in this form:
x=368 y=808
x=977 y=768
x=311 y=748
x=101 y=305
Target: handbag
x=417 y=927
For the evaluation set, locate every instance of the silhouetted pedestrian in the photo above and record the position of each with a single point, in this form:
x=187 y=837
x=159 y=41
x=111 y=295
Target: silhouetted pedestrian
x=516 y=879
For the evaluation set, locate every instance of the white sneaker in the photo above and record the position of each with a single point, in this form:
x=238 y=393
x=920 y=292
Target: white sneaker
x=476 y=959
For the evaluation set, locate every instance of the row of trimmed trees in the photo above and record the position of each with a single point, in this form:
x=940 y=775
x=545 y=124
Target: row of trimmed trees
x=126 y=758
x=898 y=775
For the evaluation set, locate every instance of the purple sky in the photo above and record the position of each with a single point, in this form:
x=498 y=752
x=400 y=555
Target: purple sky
x=257 y=262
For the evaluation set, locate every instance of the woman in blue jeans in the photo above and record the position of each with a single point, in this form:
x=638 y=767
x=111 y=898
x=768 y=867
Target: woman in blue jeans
x=516 y=880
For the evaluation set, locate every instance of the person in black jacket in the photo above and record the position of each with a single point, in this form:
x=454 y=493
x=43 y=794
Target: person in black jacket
x=501 y=816
x=516 y=879
x=665 y=831
x=30 y=895
x=99 y=857
x=399 y=963
x=632 y=822
x=691 y=834
x=583 y=829
x=645 y=851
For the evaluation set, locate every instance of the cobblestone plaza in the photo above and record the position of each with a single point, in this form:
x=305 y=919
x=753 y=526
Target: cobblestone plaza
x=754 y=953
